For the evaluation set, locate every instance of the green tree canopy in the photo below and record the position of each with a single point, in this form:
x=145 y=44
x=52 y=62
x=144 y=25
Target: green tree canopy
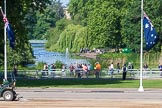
x=16 y=11
x=47 y=19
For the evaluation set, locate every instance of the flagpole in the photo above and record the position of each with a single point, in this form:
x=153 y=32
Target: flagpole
x=141 y=52
x=5 y=47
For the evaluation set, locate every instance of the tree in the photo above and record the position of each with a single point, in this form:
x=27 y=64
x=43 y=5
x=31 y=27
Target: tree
x=30 y=20
x=80 y=9
x=73 y=37
x=110 y=23
x=47 y=19
x=131 y=21
x=54 y=33
x=16 y=11
x=104 y=25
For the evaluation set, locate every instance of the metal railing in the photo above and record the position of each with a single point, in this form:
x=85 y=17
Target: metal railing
x=58 y=73
x=134 y=73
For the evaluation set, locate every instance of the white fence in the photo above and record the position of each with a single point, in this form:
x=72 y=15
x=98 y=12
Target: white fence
x=135 y=73
x=58 y=73
x=149 y=73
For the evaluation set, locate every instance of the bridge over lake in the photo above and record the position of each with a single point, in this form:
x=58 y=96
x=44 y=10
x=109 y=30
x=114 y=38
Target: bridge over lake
x=38 y=41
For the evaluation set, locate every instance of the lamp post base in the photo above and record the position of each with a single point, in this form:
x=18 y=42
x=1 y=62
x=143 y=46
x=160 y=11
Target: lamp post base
x=141 y=89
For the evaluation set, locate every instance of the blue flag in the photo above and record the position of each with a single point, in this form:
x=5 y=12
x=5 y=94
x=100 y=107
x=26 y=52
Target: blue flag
x=10 y=33
x=150 y=34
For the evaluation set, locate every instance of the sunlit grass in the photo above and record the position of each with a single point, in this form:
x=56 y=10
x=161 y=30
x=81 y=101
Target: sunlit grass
x=88 y=83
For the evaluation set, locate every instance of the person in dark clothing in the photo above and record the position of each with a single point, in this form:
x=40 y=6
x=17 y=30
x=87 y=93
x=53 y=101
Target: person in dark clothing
x=15 y=70
x=124 y=71
x=118 y=67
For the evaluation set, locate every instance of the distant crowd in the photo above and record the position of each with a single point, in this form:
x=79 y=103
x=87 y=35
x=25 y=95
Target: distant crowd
x=76 y=69
x=83 y=70
x=94 y=50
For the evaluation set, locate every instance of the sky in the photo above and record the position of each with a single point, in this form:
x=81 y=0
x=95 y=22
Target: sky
x=64 y=2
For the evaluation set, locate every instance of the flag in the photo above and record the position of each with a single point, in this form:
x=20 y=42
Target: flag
x=150 y=34
x=10 y=33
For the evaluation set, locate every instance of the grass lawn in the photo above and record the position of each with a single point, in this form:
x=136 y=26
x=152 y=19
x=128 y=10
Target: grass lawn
x=88 y=83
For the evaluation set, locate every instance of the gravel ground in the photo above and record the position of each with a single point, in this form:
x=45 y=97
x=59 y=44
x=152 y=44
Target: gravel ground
x=84 y=98
x=40 y=103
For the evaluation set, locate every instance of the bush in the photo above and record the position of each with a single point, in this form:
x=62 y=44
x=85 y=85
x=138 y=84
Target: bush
x=58 y=64
x=152 y=59
x=40 y=65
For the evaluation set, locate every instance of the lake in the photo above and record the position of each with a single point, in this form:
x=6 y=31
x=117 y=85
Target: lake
x=42 y=55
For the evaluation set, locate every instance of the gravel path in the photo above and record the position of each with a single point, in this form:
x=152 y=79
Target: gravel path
x=85 y=98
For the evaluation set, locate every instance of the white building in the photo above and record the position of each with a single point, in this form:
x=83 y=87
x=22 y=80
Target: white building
x=67 y=14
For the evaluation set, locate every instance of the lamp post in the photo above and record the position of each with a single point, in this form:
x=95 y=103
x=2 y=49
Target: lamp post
x=141 y=53
x=5 y=47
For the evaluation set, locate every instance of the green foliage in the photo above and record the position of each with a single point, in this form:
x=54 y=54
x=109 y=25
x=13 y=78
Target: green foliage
x=54 y=33
x=71 y=38
x=95 y=23
x=30 y=20
x=130 y=23
x=104 y=25
x=112 y=55
x=131 y=19
x=62 y=23
x=38 y=22
x=40 y=66
x=150 y=58
x=81 y=9
x=16 y=14
x=58 y=64
x=114 y=23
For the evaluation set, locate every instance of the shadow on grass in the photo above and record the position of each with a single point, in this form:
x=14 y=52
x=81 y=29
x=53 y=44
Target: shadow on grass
x=69 y=82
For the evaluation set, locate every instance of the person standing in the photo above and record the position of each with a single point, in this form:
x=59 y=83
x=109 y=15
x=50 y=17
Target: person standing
x=98 y=69
x=45 y=70
x=112 y=69
x=15 y=71
x=89 y=68
x=85 y=70
x=45 y=66
x=124 y=71
x=160 y=68
x=145 y=67
x=63 y=70
x=71 y=68
x=118 y=67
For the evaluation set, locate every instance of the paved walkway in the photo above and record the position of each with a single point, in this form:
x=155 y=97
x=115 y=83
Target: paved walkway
x=124 y=90
x=90 y=93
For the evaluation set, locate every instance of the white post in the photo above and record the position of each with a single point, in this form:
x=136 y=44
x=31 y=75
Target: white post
x=141 y=54
x=5 y=48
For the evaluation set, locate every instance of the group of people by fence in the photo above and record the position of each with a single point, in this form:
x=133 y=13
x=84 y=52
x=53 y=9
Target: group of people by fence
x=88 y=71
x=83 y=70
x=128 y=67
x=124 y=69
x=80 y=70
x=76 y=69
